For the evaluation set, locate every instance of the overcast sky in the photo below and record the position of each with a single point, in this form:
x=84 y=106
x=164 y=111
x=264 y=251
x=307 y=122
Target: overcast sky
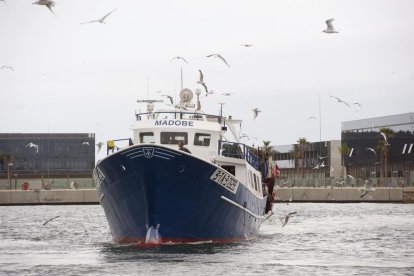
x=72 y=77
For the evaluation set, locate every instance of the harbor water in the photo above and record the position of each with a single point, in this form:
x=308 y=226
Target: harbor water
x=321 y=239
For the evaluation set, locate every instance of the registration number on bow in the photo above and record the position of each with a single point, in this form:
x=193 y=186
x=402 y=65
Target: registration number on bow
x=226 y=180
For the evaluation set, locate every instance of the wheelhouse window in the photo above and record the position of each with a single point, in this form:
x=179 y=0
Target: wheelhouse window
x=202 y=139
x=146 y=137
x=230 y=169
x=172 y=138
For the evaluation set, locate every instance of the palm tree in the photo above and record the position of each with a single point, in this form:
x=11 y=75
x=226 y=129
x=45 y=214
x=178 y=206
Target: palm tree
x=383 y=146
x=266 y=148
x=302 y=145
x=343 y=150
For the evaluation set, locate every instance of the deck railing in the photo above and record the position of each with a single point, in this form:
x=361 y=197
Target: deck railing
x=240 y=151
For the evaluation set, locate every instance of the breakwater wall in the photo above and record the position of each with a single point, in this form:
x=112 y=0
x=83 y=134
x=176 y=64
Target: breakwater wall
x=33 y=197
x=335 y=195
x=385 y=195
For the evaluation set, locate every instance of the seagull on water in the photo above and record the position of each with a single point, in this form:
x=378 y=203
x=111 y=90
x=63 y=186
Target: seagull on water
x=183 y=59
x=201 y=81
x=220 y=57
x=169 y=97
x=255 y=112
x=101 y=20
x=329 y=27
x=32 y=145
x=286 y=218
x=48 y=3
x=339 y=100
x=8 y=67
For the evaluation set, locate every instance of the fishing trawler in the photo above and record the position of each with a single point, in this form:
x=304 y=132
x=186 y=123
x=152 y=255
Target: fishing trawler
x=152 y=192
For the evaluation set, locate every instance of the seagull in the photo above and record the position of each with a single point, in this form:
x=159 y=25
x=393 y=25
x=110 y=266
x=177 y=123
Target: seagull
x=255 y=112
x=32 y=145
x=101 y=20
x=85 y=143
x=311 y=117
x=286 y=218
x=322 y=157
x=50 y=220
x=220 y=57
x=7 y=67
x=209 y=92
x=48 y=3
x=201 y=81
x=340 y=101
x=99 y=145
x=247 y=45
x=322 y=164
x=385 y=138
x=183 y=59
x=371 y=149
x=316 y=167
x=226 y=94
x=329 y=29
x=358 y=104
x=169 y=97
x=367 y=188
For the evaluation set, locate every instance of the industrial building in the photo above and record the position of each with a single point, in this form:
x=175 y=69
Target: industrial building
x=46 y=156
x=380 y=148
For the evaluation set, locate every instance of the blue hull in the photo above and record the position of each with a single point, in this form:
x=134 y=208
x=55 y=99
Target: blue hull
x=154 y=187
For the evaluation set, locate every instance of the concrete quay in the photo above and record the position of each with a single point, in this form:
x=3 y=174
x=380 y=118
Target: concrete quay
x=327 y=195
x=38 y=197
x=344 y=195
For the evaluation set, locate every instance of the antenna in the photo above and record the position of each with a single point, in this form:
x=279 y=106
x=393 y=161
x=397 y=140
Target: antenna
x=221 y=110
x=181 y=78
x=148 y=86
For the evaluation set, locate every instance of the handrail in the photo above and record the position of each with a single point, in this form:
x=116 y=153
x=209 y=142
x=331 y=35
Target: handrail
x=233 y=150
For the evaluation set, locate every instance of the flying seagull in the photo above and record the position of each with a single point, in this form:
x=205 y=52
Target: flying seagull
x=329 y=27
x=99 y=145
x=367 y=188
x=371 y=149
x=7 y=67
x=247 y=45
x=101 y=20
x=85 y=143
x=255 y=112
x=311 y=117
x=286 y=218
x=169 y=97
x=183 y=59
x=48 y=3
x=385 y=138
x=226 y=94
x=220 y=57
x=339 y=100
x=32 y=145
x=201 y=81
x=50 y=220
x=358 y=104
